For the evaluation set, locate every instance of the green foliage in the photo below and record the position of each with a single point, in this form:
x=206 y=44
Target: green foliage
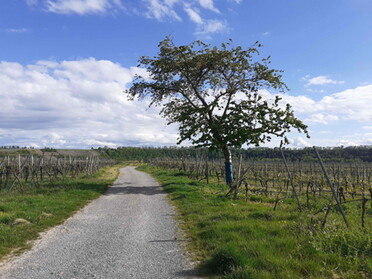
x=213 y=94
x=225 y=260
x=48 y=149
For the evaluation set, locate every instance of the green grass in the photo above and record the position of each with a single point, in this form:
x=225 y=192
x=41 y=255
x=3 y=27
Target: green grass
x=238 y=239
x=24 y=215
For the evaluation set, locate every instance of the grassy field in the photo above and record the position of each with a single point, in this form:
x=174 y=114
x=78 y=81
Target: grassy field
x=238 y=239
x=24 y=216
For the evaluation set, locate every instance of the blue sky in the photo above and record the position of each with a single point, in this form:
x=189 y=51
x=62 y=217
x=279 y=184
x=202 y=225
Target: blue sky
x=64 y=64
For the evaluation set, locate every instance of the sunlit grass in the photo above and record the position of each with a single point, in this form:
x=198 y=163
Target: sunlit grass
x=24 y=215
x=238 y=239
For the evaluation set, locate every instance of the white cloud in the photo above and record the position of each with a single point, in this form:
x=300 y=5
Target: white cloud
x=205 y=27
x=314 y=90
x=82 y=7
x=364 y=140
x=212 y=26
x=301 y=104
x=345 y=142
x=80 y=103
x=320 y=80
x=162 y=10
x=75 y=104
x=208 y=4
x=94 y=142
x=321 y=118
x=196 y=11
x=349 y=110
x=193 y=15
x=18 y=30
x=298 y=142
x=351 y=104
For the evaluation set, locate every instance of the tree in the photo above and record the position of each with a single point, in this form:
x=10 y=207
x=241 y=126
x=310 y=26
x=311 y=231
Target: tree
x=213 y=94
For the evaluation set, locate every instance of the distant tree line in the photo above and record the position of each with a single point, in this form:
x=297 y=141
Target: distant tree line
x=336 y=154
x=48 y=149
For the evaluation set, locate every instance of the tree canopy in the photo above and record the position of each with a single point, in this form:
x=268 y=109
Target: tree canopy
x=213 y=94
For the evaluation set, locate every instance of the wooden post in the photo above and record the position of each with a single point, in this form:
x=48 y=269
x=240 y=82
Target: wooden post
x=331 y=185
x=238 y=178
x=41 y=168
x=206 y=167
x=290 y=178
x=364 y=201
x=19 y=166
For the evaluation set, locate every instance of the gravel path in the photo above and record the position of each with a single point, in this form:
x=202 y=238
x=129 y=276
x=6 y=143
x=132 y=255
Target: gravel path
x=129 y=232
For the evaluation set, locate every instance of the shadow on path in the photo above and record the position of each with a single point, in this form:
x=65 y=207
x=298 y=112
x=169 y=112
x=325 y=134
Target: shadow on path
x=122 y=189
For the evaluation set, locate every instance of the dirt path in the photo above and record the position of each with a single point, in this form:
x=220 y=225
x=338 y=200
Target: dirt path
x=129 y=232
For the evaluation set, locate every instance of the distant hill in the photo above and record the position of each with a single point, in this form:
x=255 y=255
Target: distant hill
x=47 y=152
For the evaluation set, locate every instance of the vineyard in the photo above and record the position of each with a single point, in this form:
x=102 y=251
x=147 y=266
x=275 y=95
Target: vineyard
x=18 y=172
x=285 y=219
x=313 y=186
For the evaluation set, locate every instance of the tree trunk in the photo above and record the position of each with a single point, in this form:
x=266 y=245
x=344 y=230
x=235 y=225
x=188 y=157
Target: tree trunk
x=228 y=166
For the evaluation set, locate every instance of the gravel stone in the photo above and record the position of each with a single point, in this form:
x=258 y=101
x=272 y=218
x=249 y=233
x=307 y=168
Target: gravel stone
x=129 y=232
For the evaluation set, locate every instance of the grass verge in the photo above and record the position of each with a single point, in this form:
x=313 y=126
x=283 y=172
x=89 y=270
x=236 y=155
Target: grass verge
x=237 y=239
x=24 y=216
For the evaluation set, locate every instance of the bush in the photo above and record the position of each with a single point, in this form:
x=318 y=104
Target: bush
x=225 y=260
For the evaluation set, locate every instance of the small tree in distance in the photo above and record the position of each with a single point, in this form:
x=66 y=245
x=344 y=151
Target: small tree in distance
x=213 y=94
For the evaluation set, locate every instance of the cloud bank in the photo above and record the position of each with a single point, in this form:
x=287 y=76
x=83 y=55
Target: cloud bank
x=75 y=104
x=351 y=104
x=320 y=80
x=80 y=103
x=82 y=7
x=349 y=109
x=208 y=19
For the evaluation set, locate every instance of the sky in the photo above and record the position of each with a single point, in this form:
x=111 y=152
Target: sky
x=64 y=65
